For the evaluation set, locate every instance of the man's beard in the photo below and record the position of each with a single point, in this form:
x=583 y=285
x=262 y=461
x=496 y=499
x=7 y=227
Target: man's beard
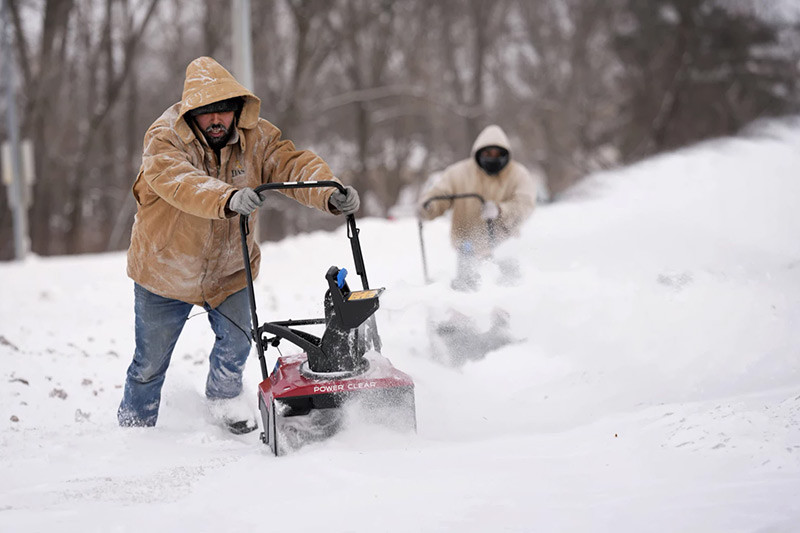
x=216 y=143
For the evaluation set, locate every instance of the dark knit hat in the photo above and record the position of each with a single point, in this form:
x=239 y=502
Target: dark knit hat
x=231 y=104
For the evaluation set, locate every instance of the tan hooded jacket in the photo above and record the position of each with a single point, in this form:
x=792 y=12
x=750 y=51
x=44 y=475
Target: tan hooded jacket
x=513 y=190
x=183 y=244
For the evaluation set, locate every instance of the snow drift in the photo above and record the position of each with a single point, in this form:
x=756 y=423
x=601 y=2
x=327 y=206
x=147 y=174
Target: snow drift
x=653 y=383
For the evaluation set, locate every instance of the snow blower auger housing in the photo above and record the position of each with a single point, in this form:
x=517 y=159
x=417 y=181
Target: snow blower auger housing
x=302 y=399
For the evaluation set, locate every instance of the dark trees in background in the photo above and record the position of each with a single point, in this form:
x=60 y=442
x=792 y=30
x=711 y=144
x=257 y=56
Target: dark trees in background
x=76 y=77
x=387 y=91
x=702 y=71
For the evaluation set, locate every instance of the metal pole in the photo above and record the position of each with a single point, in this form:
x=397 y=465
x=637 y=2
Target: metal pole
x=242 y=43
x=19 y=204
x=242 y=47
x=262 y=360
x=422 y=249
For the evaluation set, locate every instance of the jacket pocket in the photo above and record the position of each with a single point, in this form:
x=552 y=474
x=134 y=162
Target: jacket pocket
x=142 y=192
x=163 y=230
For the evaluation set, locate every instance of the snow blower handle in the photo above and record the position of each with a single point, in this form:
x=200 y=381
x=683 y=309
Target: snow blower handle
x=453 y=197
x=449 y=197
x=352 y=230
x=244 y=230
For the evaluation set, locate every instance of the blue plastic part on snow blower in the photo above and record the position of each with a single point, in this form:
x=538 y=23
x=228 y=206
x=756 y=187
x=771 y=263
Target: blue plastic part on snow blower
x=340 y=277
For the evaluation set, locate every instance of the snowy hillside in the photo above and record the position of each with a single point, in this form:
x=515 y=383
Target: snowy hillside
x=652 y=381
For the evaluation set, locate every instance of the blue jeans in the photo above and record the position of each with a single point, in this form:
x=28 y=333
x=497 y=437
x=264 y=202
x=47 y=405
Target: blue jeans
x=159 y=322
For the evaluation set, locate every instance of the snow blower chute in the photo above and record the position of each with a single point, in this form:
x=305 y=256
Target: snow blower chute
x=302 y=400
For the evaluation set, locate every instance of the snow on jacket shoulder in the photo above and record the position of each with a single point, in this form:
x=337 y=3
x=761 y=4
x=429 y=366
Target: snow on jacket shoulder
x=183 y=244
x=513 y=190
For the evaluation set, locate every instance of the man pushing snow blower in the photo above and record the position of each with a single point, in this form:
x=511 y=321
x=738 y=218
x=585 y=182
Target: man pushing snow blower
x=486 y=190
x=203 y=158
x=491 y=196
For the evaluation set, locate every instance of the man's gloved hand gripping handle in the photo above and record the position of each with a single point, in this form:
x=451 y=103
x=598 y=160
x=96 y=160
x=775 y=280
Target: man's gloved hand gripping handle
x=245 y=201
x=346 y=202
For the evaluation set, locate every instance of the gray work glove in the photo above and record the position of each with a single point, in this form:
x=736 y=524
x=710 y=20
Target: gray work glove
x=490 y=210
x=422 y=211
x=346 y=202
x=245 y=201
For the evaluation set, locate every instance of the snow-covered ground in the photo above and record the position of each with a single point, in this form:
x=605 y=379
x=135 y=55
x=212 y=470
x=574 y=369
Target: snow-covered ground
x=653 y=383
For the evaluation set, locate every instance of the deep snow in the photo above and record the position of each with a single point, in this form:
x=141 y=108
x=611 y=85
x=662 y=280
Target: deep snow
x=653 y=385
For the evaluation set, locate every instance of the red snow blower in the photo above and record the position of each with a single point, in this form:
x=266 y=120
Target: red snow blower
x=304 y=398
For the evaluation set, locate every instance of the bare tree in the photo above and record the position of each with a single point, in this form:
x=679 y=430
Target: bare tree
x=42 y=77
x=567 y=85
x=715 y=69
x=387 y=92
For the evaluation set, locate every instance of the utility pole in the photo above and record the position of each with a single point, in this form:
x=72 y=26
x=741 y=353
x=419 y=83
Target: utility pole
x=17 y=197
x=242 y=44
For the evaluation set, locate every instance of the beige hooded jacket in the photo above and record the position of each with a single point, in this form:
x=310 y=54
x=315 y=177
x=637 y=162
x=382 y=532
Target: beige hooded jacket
x=183 y=244
x=512 y=189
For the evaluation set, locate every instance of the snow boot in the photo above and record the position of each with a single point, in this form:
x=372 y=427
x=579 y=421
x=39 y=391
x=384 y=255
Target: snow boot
x=235 y=414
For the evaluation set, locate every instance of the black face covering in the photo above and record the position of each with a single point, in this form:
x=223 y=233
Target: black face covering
x=492 y=165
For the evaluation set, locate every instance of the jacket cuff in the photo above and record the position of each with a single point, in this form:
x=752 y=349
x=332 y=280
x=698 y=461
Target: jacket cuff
x=226 y=211
x=328 y=207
